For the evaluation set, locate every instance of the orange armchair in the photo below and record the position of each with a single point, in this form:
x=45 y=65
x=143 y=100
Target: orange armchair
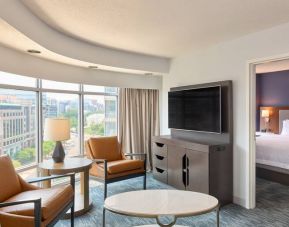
x=110 y=164
x=25 y=205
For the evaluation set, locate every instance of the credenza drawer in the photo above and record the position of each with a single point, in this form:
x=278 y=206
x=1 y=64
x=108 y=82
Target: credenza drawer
x=160 y=161
x=160 y=174
x=160 y=149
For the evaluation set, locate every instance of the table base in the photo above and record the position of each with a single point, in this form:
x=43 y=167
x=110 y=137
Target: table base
x=79 y=208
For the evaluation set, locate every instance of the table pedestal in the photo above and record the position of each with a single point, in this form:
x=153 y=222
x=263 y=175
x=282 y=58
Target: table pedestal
x=77 y=165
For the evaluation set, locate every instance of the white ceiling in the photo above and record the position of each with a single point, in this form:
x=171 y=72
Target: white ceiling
x=159 y=27
x=12 y=38
x=273 y=66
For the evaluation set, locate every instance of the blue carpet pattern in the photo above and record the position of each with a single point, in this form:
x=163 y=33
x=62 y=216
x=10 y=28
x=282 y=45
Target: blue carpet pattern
x=272 y=208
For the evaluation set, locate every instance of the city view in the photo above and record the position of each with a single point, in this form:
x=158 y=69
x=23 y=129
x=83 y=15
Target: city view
x=18 y=121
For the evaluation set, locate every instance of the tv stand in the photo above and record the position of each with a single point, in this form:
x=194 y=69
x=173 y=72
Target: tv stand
x=205 y=166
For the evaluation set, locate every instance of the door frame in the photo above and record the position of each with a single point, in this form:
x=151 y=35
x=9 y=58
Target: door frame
x=251 y=122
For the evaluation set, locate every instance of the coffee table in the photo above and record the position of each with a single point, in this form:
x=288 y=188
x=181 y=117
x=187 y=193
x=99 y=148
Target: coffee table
x=159 y=203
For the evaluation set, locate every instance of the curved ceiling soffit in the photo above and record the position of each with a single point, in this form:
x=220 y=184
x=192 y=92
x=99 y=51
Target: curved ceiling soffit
x=34 y=28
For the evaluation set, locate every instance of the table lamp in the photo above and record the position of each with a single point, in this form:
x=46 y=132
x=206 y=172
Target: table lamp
x=57 y=129
x=265 y=114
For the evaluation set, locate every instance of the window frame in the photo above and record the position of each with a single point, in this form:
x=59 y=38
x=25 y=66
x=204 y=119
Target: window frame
x=39 y=90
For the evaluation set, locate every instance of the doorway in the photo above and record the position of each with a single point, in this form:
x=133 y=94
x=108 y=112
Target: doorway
x=264 y=120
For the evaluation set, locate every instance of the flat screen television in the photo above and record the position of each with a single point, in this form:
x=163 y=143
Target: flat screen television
x=196 y=109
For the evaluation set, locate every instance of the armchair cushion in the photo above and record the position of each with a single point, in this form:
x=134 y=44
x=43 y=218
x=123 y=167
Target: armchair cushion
x=10 y=184
x=53 y=200
x=120 y=166
x=98 y=171
x=104 y=148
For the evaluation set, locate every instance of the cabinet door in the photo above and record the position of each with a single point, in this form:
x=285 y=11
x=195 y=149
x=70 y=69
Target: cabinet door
x=198 y=170
x=175 y=167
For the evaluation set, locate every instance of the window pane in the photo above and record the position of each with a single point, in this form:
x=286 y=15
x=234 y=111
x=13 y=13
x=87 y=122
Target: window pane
x=12 y=79
x=29 y=174
x=18 y=126
x=102 y=89
x=66 y=106
x=49 y=84
x=100 y=116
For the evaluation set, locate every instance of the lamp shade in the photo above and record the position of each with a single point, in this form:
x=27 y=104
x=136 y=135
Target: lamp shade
x=265 y=113
x=57 y=129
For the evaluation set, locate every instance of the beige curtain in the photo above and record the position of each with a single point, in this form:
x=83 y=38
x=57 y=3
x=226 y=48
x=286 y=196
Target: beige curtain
x=138 y=120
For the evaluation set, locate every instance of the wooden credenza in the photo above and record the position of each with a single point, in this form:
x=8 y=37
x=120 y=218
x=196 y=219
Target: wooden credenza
x=205 y=166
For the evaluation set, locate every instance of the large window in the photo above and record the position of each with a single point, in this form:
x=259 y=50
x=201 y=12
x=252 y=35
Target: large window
x=18 y=126
x=64 y=106
x=26 y=102
x=100 y=115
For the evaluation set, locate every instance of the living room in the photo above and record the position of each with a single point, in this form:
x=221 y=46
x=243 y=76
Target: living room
x=115 y=108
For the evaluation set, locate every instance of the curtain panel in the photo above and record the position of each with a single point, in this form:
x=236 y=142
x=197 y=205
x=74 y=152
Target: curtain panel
x=138 y=120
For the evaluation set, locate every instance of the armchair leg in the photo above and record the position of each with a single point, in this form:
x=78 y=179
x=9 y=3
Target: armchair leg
x=72 y=216
x=145 y=181
x=103 y=217
x=105 y=190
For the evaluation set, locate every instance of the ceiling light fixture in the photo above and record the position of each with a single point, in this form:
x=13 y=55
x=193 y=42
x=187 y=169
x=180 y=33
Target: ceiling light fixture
x=31 y=51
x=93 y=67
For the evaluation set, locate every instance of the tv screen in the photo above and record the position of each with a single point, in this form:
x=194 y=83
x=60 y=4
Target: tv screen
x=196 y=109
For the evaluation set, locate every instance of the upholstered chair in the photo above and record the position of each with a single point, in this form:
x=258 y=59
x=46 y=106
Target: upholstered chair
x=110 y=164
x=26 y=205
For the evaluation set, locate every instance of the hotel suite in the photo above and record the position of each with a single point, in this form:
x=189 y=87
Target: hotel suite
x=125 y=113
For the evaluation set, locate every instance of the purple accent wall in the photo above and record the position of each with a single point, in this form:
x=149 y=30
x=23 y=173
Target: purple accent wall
x=272 y=89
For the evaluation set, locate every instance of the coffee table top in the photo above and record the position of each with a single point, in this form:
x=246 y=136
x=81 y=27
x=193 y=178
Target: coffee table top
x=154 y=203
x=72 y=164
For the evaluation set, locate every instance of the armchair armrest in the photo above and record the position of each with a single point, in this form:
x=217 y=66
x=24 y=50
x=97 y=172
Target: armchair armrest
x=40 y=179
x=104 y=161
x=98 y=161
x=37 y=208
x=136 y=154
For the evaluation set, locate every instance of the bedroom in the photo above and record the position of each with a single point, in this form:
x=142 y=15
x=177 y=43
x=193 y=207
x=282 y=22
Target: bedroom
x=272 y=128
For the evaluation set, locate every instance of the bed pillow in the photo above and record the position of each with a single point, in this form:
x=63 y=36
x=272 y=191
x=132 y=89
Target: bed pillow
x=285 y=128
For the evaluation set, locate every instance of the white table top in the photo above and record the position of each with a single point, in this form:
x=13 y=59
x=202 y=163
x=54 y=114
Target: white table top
x=154 y=203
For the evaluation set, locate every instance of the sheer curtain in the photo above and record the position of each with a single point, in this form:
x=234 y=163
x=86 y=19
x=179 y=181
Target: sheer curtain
x=138 y=120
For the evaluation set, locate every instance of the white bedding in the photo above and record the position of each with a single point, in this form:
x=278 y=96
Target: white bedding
x=273 y=150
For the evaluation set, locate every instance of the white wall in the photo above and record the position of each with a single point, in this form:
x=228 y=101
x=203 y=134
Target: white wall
x=24 y=64
x=228 y=61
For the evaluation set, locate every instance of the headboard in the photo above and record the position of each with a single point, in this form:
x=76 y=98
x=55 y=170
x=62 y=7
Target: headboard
x=283 y=115
x=277 y=116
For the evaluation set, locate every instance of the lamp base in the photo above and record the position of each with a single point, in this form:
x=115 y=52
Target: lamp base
x=58 y=153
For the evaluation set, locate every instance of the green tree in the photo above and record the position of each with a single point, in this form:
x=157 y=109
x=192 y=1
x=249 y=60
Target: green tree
x=16 y=163
x=48 y=147
x=26 y=155
x=95 y=129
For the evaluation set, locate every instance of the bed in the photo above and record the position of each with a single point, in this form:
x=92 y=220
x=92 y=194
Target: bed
x=272 y=153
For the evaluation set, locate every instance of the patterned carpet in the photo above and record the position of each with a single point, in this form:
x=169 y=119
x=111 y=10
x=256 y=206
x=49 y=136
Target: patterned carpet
x=272 y=208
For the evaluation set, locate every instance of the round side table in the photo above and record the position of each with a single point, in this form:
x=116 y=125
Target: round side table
x=71 y=165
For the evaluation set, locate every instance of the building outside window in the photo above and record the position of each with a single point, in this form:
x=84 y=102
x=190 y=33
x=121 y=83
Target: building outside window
x=18 y=126
x=26 y=102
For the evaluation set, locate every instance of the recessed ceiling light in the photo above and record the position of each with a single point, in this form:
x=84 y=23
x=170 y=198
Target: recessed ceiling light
x=31 y=51
x=148 y=74
x=93 y=67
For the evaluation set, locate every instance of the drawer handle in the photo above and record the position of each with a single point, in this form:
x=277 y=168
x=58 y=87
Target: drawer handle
x=160 y=144
x=159 y=170
x=159 y=157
